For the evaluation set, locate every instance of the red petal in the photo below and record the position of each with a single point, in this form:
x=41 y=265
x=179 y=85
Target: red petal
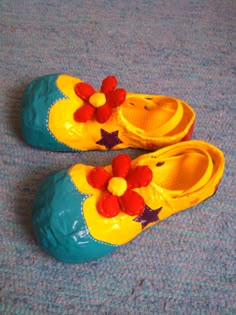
x=108 y=206
x=84 y=113
x=132 y=203
x=84 y=90
x=103 y=113
x=121 y=165
x=140 y=176
x=98 y=178
x=108 y=84
x=116 y=98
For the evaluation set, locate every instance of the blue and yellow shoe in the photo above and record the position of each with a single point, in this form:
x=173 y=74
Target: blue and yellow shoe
x=85 y=212
x=63 y=113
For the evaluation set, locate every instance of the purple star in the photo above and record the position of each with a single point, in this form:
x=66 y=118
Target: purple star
x=109 y=139
x=148 y=216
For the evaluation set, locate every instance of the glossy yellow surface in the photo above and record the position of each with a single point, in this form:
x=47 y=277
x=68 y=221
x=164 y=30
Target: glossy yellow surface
x=142 y=121
x=183 y=175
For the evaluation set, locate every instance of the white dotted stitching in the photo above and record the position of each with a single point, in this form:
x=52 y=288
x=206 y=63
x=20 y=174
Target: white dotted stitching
x=87 y=230
x=47 y=119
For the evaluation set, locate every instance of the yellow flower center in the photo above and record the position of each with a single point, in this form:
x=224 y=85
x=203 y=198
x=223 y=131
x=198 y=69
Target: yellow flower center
x=97 y=99
x=117 y=186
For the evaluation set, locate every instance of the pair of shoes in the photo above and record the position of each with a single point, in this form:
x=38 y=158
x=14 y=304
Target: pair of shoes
x=86 y=212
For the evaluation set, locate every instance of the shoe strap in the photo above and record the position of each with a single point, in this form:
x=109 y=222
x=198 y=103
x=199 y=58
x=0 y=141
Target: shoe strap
x=177 y=115
x=175 y=154
x=172 y=123
x=201 y=182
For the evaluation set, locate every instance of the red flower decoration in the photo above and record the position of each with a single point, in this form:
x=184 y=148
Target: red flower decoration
x=98 y=103
x=119 y=194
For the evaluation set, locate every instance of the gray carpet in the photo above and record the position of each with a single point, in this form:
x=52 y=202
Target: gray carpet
x=184 y=48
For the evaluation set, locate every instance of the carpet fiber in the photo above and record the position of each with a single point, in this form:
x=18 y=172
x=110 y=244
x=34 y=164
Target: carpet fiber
x=184 y=48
